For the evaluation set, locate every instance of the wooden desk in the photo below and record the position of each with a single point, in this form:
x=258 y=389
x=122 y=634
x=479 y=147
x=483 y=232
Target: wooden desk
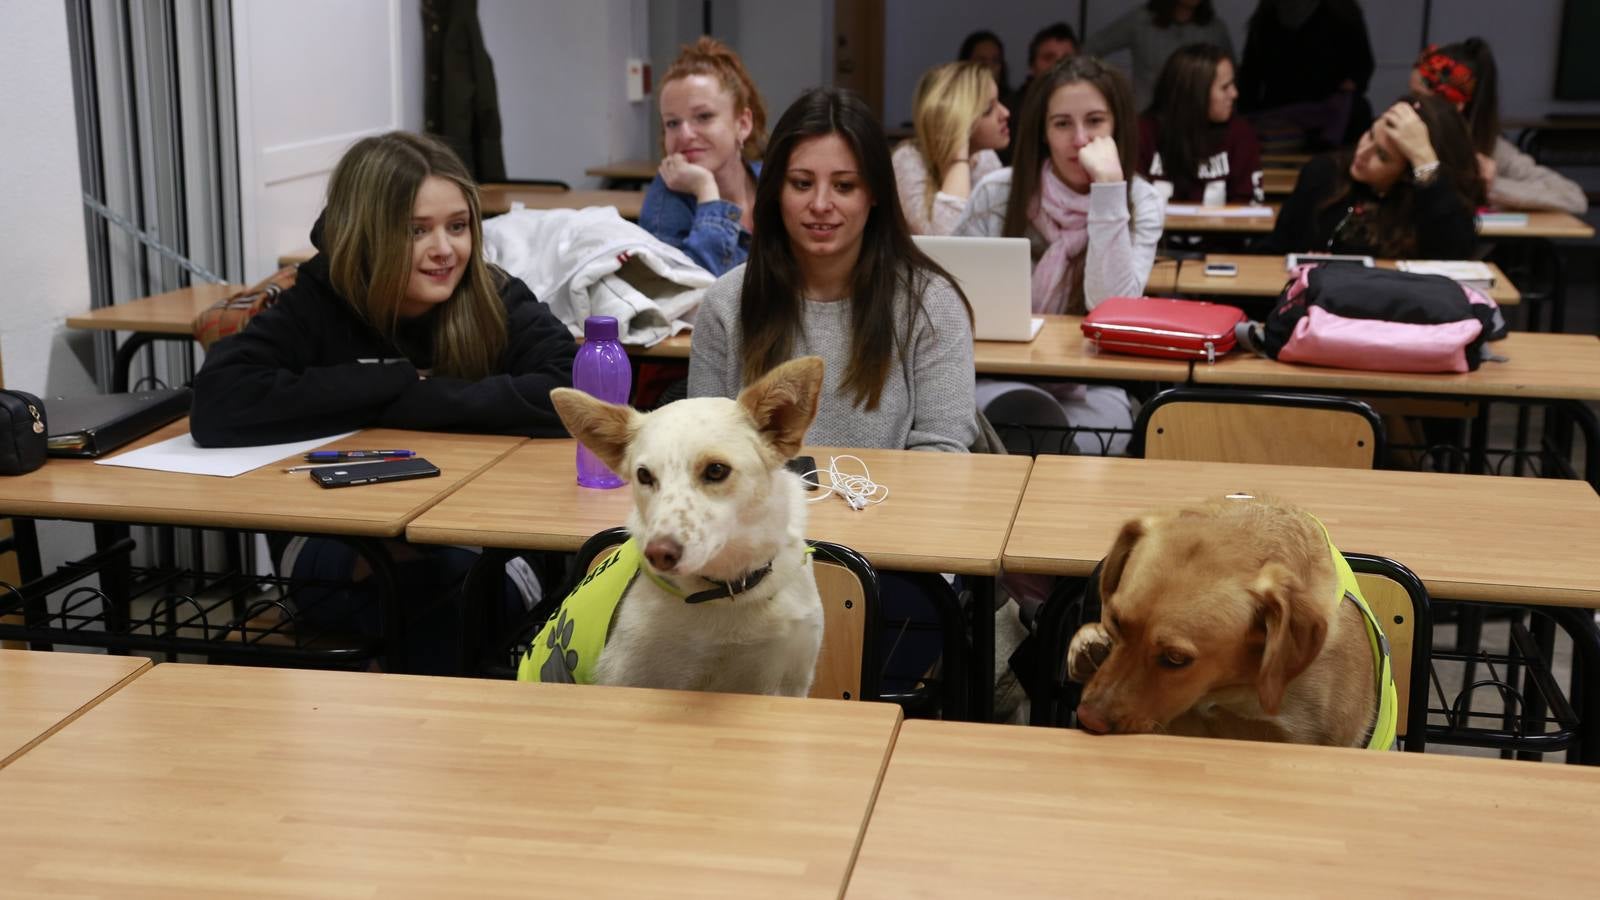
x=1059 y=351
x=267 y=499
x=1468 y=537
x=296 y=257
x=1279 y=182
x=45 y=691
x=946 y=512
x=169 y=313
x=637 y=172
x=999 y=811
x=1542 y=224
x=1265 y=276
x=1539 y=366
x=1223 y=224
x=204 y=781
x=498 y=199
x=1285 y=160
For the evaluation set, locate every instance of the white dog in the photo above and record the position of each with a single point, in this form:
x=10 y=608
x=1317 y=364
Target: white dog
x=727 y=601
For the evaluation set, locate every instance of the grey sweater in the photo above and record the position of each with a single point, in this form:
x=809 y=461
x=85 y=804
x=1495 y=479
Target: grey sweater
x=927 y=401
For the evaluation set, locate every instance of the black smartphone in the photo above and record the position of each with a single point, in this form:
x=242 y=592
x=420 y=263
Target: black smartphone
x=371 y=473
x=806 y=468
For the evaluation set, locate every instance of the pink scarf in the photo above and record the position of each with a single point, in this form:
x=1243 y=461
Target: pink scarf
x=1062 y=216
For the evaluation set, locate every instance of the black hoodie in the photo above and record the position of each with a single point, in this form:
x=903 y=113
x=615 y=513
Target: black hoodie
x=312 y=366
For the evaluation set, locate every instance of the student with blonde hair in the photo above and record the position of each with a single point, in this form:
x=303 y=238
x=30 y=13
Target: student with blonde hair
x=713 y=130
x=397 y=322
x=960 y=123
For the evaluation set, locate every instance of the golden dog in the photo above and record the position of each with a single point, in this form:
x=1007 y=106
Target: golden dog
x=1226 y=620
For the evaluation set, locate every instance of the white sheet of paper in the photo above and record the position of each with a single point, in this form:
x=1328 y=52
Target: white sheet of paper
x=182 y=454
x=1222 y=212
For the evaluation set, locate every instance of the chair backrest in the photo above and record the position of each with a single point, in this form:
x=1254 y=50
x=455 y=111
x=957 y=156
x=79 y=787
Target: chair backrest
x=848 y=586
x=538 y=185
x=1258 y=427
x=1400 y=603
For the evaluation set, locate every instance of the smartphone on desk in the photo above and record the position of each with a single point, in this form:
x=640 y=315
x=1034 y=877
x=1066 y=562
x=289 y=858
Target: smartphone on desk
x=1221 y=270
x=390 y=470
x=806 y=468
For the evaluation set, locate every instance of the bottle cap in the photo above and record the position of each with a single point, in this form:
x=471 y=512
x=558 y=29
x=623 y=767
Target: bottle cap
x=600 y=328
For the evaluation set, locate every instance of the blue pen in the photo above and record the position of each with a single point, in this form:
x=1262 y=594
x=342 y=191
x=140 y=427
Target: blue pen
x=337 y=455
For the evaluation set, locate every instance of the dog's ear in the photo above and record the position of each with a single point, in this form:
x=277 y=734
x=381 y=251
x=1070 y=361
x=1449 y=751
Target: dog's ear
x=605 y=428
x=1295 y=626
x=1112 y=567
x=783 y=403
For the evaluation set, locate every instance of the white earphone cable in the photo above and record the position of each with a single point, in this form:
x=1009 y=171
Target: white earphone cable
x=858 y=490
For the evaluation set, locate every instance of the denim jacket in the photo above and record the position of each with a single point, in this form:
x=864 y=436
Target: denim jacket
x=708 y=233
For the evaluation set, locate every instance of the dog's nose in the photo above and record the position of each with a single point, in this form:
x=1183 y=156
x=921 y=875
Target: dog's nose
x=663 y=553
x=1091 y=720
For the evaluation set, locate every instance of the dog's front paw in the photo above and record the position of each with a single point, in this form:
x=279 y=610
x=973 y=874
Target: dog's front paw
x=1089 y=648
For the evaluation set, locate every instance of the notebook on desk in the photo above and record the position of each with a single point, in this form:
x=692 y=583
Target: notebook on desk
x=996 y=274
x=93 y=425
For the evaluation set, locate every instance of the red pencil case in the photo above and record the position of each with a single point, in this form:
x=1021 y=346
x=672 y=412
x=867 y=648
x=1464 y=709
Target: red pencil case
x=1157 y=326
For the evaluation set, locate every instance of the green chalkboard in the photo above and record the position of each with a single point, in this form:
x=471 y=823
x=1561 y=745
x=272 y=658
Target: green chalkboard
x=1578 y=66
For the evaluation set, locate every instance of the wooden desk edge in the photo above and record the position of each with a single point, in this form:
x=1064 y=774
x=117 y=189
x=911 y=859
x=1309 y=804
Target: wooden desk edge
x=122 y=683
x=872 y=804
x=1474 y=591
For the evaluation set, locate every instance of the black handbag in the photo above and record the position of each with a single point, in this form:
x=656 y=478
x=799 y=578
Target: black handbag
x=22 y=433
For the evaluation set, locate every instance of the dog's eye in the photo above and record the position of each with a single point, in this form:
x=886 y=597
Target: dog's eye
x=715 y=472
x=644 y=477
x=1172 y=659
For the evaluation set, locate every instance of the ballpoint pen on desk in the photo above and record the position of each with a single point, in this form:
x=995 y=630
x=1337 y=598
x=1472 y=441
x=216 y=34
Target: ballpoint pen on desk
x=341 y=455
x=343 y=462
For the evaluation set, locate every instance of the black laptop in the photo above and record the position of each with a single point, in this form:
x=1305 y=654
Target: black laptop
x=94 y=425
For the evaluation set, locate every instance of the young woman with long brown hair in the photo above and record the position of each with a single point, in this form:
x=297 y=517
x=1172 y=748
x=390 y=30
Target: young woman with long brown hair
x=1409 y=189
x=398 y=321
x=1092 y=221
x=833 y=272
x=1191 y=145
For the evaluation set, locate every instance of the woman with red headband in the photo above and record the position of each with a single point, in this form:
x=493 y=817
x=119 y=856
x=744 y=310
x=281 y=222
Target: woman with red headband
x=1464 y=75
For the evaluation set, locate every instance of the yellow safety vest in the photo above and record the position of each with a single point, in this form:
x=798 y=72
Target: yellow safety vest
x=1385 y=732
x=568 y=646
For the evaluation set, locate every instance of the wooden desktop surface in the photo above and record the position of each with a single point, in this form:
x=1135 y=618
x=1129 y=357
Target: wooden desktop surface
x=1538 y=366
x=1265 y=276
x=267 y=499
x=43 y=692
x=1223 y=224
x=970 y=810
x=1541 y=224
x=1279 y=182
x=946 y=512
x=625 y=170
x=296 y=257
x=169 y=313
x=1058 y=351
x=207 y=781
x=1468 y=537
x=1286 y=160
x=497 y=199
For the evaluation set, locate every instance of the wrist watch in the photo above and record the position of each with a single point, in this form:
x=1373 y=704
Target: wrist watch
x=1425 y=173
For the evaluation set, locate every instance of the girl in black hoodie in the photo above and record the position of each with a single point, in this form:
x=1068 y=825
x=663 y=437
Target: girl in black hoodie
x=398 y=322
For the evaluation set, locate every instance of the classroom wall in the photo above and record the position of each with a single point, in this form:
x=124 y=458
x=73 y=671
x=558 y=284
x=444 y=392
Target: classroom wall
x=41 y=222
x=921 y=34
x=354 y=71
x=787 y=47
x=1525 y=47
x=559 y=70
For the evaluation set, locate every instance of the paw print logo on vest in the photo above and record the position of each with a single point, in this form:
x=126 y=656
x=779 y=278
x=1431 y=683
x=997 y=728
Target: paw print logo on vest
x=563 y=662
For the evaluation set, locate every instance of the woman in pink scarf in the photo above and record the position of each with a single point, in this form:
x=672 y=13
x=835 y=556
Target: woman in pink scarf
x=1093 y=223
x=1094 y=226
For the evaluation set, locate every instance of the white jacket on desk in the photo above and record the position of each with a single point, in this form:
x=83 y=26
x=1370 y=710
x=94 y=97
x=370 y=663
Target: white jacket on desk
x=592 y=262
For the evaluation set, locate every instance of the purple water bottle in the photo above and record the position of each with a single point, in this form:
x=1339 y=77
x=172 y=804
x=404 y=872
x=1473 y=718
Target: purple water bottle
x=600 y=370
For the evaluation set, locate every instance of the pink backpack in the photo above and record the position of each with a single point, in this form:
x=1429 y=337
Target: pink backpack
x=1352 y=317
